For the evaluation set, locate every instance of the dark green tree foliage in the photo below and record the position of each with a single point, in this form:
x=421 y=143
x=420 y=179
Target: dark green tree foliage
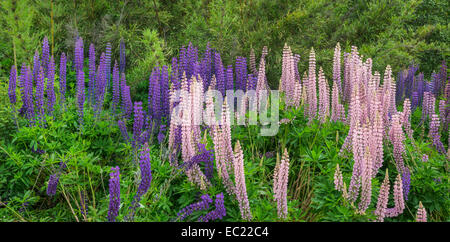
x=17 y=33
x=392 y=32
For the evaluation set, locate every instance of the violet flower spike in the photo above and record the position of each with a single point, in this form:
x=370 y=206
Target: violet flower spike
x=45 y=56
x=51 y=98
x=218 y=213
x=116 y=87
x=52 y=184
x=203 y=204
x=12 y=85
x=91 y=93
x=62 y=77
x=114 y=194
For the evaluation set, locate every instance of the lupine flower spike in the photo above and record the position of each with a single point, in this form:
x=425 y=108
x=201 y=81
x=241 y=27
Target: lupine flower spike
x=80 y=95
x=114 y=194
x=398 y=199
x=421 y=214
x=146 y=179
x=54 y=180
x=51 y=98
x=383 y=198
x=62 y=77
x=12 y=85
x=203 y=204
x=217 y=213
x=12 y=91
x=338 y=180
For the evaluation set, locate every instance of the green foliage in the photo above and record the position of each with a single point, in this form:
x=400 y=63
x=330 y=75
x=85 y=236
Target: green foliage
x=87 y=151
x=152 y=54
x=7 y=126
x=17 y=29
x=430 y=184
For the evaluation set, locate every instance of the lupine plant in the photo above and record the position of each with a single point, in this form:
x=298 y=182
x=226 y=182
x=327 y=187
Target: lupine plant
x=354 y=144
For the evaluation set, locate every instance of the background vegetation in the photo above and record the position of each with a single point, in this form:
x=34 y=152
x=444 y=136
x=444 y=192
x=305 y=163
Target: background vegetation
x=395 y=32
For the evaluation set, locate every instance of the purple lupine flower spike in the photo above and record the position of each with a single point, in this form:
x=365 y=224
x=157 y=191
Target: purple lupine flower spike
x=164 y=82
x=54 y=179
x=218 y=213
x=12 y=92
x=146 y=179
x=80 y=94
x=23 y=87
x=51 y=98
x=45 y=56
x=145 y=137
x=62 y=77
x=116 y=87
x=91 y=92
x=203 y=204
x=114 y=194
x=161 y=135
x=206 y=157
x=28 y=93
x=150 y=95
x=241 y=73
x=123 y=93
x=79 y=55
x=40 y=95
x=146 y=172
x=414 y=101
x=122 y=56
x=12 y=85
x=128 y=102
x=205 y=67
x=36 y=65
x=406 y=182
x=52 y=184
x=100 y=85
x=196 y=69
